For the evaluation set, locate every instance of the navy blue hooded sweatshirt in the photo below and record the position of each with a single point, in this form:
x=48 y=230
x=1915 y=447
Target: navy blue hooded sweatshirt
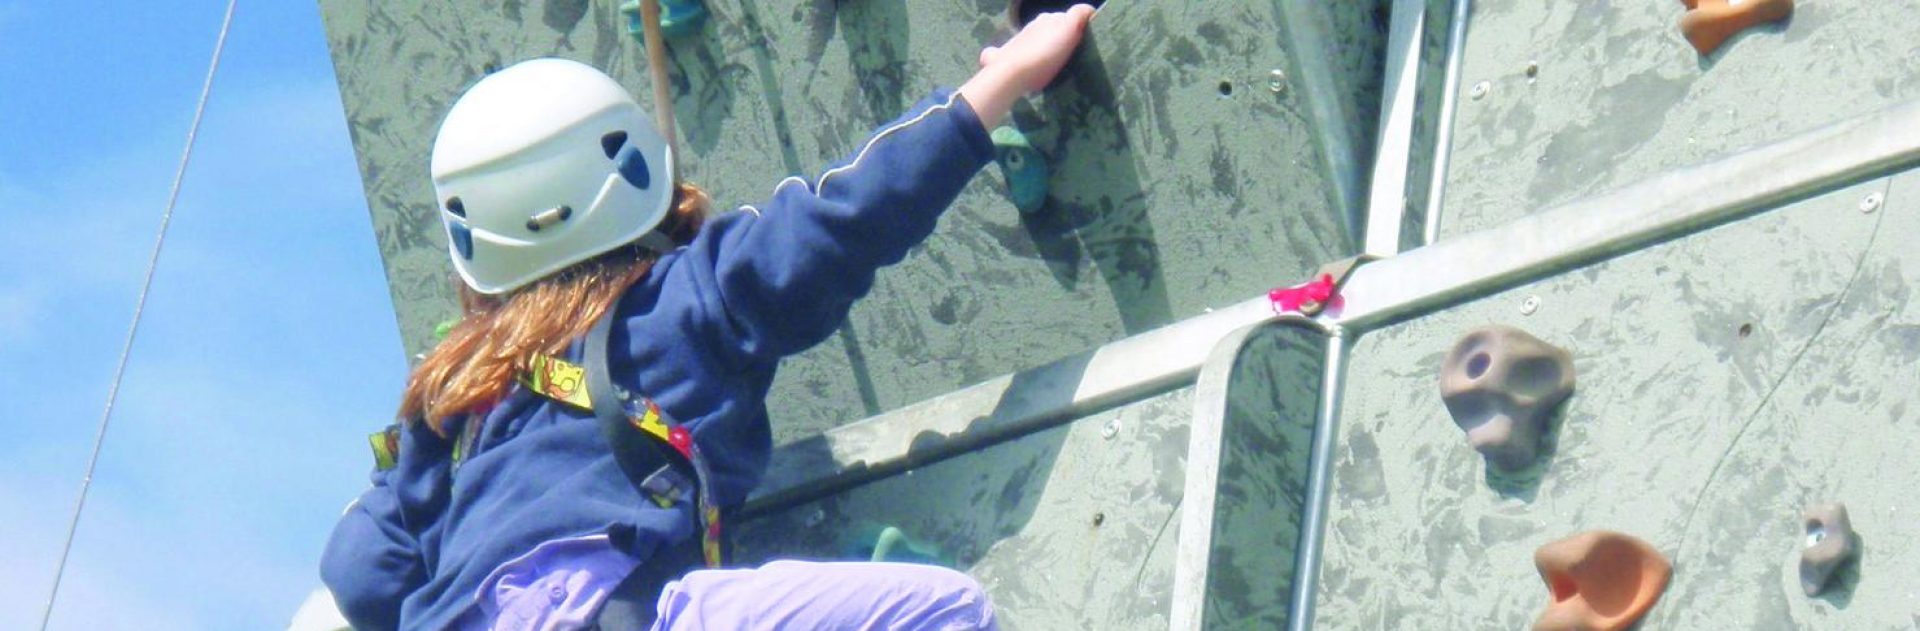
x=701 y=335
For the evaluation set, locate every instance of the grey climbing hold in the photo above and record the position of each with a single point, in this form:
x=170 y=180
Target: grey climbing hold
x=1023 y=166
x=1830 y=544
x=1500 y=385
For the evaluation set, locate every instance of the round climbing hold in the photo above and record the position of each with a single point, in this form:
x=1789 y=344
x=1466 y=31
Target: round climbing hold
x=677 y=17
x=1023 y=166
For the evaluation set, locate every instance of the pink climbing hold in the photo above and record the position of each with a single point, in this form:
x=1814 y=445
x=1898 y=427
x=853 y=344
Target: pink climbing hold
x=1307 y=299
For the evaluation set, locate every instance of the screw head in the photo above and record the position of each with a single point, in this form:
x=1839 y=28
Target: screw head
x=1870 y=203
x=1277 y=81
x=1530 y=305
x=1111 y=429
x=1480 y=90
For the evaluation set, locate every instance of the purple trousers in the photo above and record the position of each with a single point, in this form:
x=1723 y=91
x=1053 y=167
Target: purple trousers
x=560 y=584
x=805 y=595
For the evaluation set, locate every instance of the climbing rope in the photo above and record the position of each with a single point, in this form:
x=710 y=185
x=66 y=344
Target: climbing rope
x=140 y=305
x=657 y=67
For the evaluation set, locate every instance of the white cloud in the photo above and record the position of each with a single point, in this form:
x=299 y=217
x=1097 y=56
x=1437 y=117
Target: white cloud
x=22 y=309
x=236 y=439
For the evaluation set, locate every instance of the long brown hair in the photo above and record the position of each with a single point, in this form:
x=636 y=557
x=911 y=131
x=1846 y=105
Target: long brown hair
x=476 y=364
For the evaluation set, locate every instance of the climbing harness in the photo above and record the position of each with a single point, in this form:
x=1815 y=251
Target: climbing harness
x=1320 y=294
x=656 y=453
x=642 y=436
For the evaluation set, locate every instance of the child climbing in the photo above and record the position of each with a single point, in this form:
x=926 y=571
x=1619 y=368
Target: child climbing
x=567 y=451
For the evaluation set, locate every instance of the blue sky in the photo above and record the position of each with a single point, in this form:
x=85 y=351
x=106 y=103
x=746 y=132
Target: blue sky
x=268 y=349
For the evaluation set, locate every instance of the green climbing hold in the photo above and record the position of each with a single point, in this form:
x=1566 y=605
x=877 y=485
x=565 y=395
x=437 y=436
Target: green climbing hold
x=677 y=17
x=441 y=330
x=1023 y=166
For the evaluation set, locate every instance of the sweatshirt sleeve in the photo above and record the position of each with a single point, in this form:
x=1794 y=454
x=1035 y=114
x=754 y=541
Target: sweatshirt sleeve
x=373 y=559
x=785 y=274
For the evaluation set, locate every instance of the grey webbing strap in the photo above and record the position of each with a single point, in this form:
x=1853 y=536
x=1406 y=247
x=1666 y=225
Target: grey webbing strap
x=638 y=454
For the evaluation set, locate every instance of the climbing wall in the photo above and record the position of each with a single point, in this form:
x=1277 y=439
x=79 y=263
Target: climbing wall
x=1190 y=168
x=1083 y=525
x=1725 y=382
x=1203 y=152
x=1246 y=486
x=1615 y=94
x=1069 y=528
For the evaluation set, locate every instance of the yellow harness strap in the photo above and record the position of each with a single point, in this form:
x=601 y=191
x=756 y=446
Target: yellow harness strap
x=386 y=447
x=565 y=382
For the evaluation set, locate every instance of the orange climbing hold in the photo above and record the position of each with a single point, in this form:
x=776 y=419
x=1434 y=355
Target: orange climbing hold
x=1600 y=581
x=1708 y=23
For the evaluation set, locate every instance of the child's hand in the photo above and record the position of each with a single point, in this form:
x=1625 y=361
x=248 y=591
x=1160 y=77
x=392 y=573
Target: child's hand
x=1025 y=63
x=1037 y=52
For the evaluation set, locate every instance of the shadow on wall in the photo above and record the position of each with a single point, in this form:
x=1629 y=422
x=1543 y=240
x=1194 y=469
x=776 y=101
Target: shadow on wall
x=878 y=43
x=955 y=496
x=1097 y=208
x=703 y=82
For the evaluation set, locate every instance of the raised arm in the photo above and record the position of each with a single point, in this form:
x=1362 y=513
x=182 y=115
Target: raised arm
x=783 y=275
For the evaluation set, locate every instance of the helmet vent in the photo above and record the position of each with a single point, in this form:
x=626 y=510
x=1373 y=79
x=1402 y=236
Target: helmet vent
x=462 y=240
x=612 y=142
x=633 y=167
x=456 y=207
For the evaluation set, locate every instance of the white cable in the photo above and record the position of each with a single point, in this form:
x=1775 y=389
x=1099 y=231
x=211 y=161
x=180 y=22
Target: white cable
x=139 y=306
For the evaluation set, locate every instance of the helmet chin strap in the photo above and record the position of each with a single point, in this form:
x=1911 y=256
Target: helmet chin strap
x=656 y=241
x=657 y=66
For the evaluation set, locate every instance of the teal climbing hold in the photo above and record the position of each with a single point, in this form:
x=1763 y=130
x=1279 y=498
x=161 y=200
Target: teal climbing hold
x=677 y=17
x=877 y=542
x=1023 y=166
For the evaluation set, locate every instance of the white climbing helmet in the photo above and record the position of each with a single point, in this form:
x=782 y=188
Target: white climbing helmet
x=545 y=164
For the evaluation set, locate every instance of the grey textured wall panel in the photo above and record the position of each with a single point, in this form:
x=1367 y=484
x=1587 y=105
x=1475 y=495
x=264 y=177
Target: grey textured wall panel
x=1069 y=528
x=1256 y=403
x=1620 y=96
x=1170 y=195
x=1725 y=381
